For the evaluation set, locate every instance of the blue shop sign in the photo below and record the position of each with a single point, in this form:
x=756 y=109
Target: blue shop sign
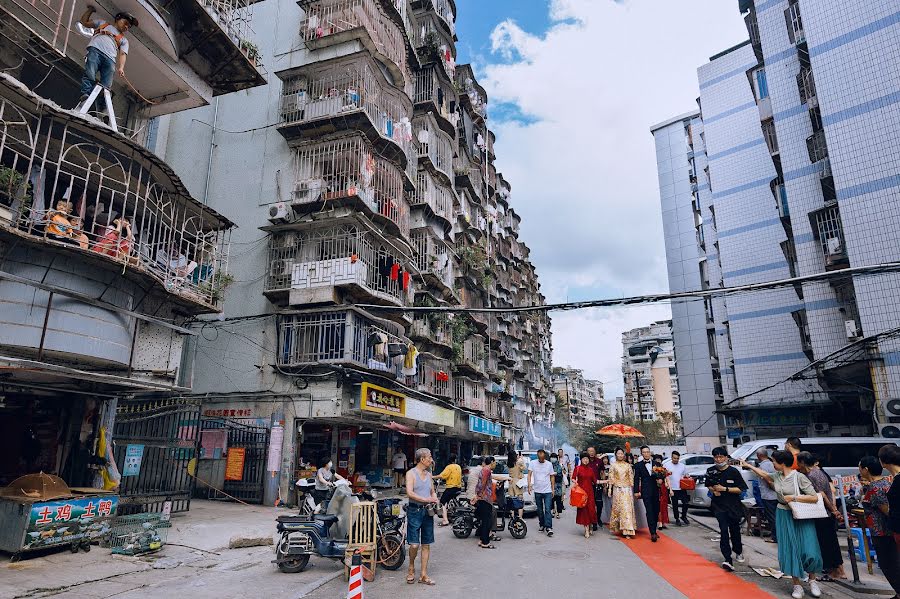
x=485 y=427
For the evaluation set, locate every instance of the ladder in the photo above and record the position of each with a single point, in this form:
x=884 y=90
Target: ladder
x=83 y=106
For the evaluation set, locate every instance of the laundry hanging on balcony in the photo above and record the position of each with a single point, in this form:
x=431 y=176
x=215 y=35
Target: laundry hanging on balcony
x=410 y=361
x=378 y=342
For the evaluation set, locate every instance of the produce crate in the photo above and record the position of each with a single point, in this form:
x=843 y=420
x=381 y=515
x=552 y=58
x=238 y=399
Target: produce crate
x=138 y=533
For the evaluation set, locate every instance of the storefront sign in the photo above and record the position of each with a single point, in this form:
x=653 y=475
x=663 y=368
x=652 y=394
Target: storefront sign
x=383 y=401
x=484 y=427
x=244 y=413
x=426 y=412
x=234 y=465
x=68 y=520
x=134 y=454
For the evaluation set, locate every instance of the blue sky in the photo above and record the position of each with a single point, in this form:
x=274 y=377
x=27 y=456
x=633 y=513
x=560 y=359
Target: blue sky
x=478 y=18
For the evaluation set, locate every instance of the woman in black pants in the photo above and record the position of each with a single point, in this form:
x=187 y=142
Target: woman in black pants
x=483 y=502
x=826 y=528
x=877 y=506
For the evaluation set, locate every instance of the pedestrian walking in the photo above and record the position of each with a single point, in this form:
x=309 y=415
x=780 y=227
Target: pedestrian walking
x=600 y=491
x=621 y=482
x=875 y=504
x=419 y=521
x=826 y=528
x=647 y=490
x=595 y=462
x=452 y=477
x=541 y=480
x=517 y=480
x=793 y=445
x=766 y=492
x=585 y=477
x=727 y=485
x=679 y=495
x=798 y=548
x=890 y=459
x=558 y=506
x=567 y=466
x=663 y=483
x=483 y=500
x=398 y=464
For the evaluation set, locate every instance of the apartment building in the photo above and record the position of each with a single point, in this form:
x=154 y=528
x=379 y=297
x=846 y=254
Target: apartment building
x=105 y=256
x=649 y=372
x=787 y=170
x=364 y=180
x=582 y=399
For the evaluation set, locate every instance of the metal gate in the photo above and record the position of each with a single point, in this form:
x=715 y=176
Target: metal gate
x=254 y=440
x=165 y=434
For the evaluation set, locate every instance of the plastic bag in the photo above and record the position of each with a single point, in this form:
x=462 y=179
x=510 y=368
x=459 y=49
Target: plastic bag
x=578 y=497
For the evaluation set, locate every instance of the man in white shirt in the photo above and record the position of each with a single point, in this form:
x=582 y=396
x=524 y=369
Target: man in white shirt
x=398 y=464
x=541 y=480
x=107 y=50
x=679 y=495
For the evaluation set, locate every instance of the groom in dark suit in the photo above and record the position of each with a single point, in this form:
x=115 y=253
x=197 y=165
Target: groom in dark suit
x=646 y=489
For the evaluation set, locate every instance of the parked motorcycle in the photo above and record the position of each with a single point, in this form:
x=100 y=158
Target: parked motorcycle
x=325 y=535
x=305 y=498
x=466 y=520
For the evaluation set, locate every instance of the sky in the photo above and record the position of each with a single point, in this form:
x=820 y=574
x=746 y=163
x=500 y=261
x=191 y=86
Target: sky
x=574 y=87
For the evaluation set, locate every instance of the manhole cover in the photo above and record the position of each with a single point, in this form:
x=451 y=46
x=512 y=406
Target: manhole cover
x=577 y=555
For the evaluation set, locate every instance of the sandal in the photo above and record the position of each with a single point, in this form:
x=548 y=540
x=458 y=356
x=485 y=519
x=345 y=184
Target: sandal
x=443 y=524
x=428 y=581
x=826 y=578
x=410 y=579
x=488 y=546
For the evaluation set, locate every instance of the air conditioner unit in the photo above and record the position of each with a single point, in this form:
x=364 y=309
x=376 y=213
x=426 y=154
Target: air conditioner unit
x=821 y=428
x=280 y=213
x=308 y=191
x=891 y=407
x=851 y=328
x=889 y=431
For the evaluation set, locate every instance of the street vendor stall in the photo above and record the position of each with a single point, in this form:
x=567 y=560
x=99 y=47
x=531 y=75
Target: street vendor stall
x=40 y=511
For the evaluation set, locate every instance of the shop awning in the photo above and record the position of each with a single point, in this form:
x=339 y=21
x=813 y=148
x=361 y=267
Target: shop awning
x=405 y=430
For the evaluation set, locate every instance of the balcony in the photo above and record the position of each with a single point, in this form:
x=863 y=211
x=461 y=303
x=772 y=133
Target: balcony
x=433 y=44
x=471 y=358
x=432 y=329
x=794 y=24
x=770 y=136
x=829 y=231
x=817 y=147
x=435 y=147
x=444 y=9
x=346 y=173
x=332 y=22
x=469 y=177
x=350 y=95
x=436 y=195
x=336 y=263
x=345 y=337
x=469 y=393
x=434 y=261
x=472 y=96
x=434 y=377
x=436 y=95
x=807 y=86
x=73 y=188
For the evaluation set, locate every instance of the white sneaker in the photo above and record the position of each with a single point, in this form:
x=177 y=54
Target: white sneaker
x=740 y=558
x=814 y=589
x=798 y=592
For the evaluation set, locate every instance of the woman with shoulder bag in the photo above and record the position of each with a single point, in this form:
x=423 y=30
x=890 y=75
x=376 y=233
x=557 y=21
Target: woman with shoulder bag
x=798 y=505
x=826 y=528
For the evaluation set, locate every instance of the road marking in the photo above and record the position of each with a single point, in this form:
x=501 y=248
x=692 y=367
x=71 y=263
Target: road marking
x=690 y=572
x=319 y=583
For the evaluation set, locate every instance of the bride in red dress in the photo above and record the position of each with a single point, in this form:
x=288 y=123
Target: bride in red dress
x=585 y=477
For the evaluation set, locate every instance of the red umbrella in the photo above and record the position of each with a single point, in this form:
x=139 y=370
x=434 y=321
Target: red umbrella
x=620 y=430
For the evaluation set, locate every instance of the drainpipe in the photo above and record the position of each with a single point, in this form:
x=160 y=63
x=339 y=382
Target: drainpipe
x=212 y=145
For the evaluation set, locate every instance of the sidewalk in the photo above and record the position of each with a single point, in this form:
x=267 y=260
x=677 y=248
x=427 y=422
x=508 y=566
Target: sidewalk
x=762 y=554
x=195 y=562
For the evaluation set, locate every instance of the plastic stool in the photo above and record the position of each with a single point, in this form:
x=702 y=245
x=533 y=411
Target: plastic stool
x=858 y=545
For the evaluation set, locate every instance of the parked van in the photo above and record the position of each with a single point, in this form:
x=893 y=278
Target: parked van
x=839 y=457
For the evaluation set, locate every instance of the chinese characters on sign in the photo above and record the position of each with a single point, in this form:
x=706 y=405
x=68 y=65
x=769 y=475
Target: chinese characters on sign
x=247 y=413
x=134 y=454
x=485 y=427
x=234 y=465
x=66 y=521
x=383 y=401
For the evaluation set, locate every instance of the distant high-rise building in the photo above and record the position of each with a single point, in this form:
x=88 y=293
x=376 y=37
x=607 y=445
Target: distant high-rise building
x=581 y=397
x=649 y=372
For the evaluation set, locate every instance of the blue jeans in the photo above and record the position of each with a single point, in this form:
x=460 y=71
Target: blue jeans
x=544 y=503
x=419 y=525
x=96 y=61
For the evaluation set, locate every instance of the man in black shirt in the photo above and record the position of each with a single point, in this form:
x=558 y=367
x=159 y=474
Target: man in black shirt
x=890 y=459
x=727 y=485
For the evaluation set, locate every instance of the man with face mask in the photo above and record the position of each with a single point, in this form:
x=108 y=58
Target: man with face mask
x=726 y=485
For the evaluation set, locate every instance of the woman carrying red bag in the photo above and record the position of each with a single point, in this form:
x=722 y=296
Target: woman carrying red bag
x=585 y=477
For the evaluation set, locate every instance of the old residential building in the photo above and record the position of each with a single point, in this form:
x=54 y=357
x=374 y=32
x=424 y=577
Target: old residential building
x=582 y=398
x=788 y=170
x=649 y=372
x=363 y=177
x=105 y=255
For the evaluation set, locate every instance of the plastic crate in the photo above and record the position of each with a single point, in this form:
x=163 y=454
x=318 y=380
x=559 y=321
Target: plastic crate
x=138 y=533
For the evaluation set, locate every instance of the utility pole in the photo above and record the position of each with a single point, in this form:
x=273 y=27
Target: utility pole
x=637 y=386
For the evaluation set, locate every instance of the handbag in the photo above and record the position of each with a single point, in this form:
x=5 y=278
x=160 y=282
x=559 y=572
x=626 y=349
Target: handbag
x=807 y=511
x=578 y=497
x=687 y=483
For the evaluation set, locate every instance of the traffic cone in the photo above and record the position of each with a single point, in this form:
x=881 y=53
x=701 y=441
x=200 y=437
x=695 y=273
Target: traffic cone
x=355 y=586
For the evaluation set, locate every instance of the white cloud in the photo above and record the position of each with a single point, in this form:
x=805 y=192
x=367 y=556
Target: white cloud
x=583 y=167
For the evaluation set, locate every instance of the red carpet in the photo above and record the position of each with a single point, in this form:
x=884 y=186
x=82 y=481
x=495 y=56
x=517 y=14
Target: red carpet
x=689 y=572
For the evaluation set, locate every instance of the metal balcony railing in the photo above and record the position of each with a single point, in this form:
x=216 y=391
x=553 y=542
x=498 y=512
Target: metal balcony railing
x=473 y=354
x=338 y=256
x=807 y=86
x=434 y=258
x=817 y=147
x=434 y=376
x=434 y=45
x=435 y=330
x=346 y=337
x=332 y=18
x=469 y=393
x=434 y=144
x=830 y=233
x=794 y=23
x=341 y=91
x=435 y=195
x=770 y=136
x=431 y=88
x=444 y=10
x=348 y=169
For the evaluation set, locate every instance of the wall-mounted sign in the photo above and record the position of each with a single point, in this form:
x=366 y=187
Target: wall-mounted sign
x=134 y=455
x=234 y=464
x=383 y=401
x=426 y=412
x=484 y=427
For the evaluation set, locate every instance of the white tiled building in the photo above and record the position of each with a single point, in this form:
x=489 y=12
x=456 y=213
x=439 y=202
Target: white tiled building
x=789 y=168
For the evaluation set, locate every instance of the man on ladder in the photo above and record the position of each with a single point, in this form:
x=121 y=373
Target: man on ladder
x=106 y=52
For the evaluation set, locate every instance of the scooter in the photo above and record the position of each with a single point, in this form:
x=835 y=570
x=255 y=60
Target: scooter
x=465 y=521
x=305 y=499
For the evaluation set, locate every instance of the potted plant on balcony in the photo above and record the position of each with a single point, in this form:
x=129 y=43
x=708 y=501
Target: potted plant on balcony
x=215 y=288
x=11 y=189
x=250 y=50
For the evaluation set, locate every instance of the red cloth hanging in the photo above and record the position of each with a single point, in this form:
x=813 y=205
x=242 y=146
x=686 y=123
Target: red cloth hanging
x=405 y=281
x=395 y=271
